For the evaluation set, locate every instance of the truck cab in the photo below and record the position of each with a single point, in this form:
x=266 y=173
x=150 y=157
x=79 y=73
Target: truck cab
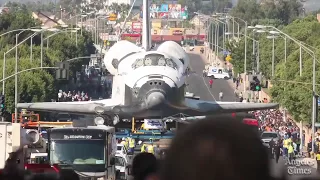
x=89 y=151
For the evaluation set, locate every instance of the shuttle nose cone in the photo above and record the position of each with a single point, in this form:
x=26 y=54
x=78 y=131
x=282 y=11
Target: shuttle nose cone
x=155 y=99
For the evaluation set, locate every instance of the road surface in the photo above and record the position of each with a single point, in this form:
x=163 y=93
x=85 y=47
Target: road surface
x=200 y=85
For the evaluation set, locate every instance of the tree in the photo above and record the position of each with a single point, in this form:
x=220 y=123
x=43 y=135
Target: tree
x=275 y=10
x=288 y=88
x=38 y=85
x=33 y=86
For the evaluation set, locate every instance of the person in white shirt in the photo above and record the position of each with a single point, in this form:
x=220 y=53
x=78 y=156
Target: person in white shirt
x=244 y=100
x=220 y=95
x=59 y=95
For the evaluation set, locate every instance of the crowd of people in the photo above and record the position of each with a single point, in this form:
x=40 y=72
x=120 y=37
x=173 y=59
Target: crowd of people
x=217 y=149
x=276 y=120
x=73 y=96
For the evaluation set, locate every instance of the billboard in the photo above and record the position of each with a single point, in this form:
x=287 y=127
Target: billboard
x=137 y=26
x=168 y=11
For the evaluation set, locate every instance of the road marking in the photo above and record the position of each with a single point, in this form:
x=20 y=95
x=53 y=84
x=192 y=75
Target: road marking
x=204 y=82
x=208 y=88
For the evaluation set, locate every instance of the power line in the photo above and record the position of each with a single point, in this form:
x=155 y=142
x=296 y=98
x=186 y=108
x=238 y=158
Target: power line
x=294 y=82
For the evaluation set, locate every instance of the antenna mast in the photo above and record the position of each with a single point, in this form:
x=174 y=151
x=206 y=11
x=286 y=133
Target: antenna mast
x=146 y=33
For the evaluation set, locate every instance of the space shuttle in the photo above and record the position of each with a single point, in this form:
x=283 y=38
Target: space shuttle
x=147 y=83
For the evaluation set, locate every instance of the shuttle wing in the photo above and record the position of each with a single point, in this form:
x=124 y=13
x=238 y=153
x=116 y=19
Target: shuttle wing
x=82 y=107
x=211 y=107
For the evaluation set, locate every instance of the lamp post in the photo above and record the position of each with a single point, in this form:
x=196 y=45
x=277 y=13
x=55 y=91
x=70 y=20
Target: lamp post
x=285 y=45
x=245 y=48
x=312 y=53
x=273 y=55
x=4 y=56
x=81 y=19
x=16 y=77
x=73 y=30
x=25 y=70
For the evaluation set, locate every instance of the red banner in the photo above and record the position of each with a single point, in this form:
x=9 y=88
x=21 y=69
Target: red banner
x=137 y=26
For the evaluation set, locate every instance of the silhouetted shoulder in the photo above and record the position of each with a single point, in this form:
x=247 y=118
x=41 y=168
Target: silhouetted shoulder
x=216 y=149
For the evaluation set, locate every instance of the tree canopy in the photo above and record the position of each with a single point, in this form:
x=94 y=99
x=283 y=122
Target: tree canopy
x=272 y=11
x=288 y=88
x=38 y=85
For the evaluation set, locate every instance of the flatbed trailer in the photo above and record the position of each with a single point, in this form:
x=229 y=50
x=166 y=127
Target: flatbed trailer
x=144 y=134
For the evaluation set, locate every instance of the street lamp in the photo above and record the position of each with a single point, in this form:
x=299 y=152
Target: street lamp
x=245 y=47
x=74 y=30
x=285 y=47
x=4 y=55
x=82 y=16
x=314 y=98
x=273 y=57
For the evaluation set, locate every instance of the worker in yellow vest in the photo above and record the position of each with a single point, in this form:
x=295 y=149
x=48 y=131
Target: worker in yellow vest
x=123 y=141
x=290 y=151
x=132 y=144
x=318 y=161
x=285 y=148
x=143 y=148
x=151 y=149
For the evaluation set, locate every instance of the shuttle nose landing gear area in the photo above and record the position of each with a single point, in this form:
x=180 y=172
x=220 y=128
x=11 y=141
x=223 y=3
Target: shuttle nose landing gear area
x=154 y=99
x=154 y=92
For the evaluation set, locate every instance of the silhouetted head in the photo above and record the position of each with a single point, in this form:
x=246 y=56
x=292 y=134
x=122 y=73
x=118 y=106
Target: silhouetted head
x=144 y=166
x=216 y=149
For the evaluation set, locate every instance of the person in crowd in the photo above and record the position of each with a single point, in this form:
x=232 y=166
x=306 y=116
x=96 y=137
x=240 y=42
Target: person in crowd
x=271 y=148
x=318 y=161
x=277 y=151
x=65 y=97
x=145 y=167
x=210 y=82
x=215 y=152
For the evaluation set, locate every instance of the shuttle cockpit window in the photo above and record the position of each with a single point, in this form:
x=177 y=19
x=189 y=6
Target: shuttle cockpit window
x=154 y=60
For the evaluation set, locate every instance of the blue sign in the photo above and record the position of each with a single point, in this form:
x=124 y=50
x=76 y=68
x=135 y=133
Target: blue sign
x=226 y=53
x=214 y=70
x=318 y=101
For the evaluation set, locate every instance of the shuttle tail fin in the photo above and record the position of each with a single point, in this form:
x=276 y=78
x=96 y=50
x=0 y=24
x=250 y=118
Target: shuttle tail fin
x=146 y=32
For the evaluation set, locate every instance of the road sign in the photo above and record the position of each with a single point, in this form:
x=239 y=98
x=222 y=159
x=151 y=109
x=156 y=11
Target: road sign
x=112 y=17
x=113 y=38
x=111 y=22
x=228 y=58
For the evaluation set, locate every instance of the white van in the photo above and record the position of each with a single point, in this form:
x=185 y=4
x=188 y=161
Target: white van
x=218 y=73
x=121 y=163
x=121 y=150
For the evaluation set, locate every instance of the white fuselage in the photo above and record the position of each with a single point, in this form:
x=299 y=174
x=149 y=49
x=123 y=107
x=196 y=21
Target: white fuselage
x=133 y=68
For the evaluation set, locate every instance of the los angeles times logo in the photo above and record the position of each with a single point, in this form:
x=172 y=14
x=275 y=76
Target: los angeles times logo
x=301 y=166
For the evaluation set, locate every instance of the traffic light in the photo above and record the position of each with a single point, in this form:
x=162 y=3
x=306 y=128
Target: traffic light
x=63 y=72
x=252 y=86
x=258 y=87
x=2 y=105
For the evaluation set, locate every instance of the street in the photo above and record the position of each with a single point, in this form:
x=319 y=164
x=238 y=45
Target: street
x=200 y=85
